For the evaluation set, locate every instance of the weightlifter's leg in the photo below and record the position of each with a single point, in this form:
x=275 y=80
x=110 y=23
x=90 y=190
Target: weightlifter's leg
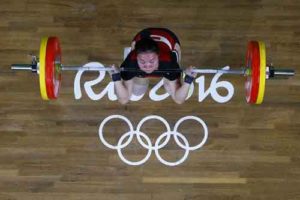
x=140 y=86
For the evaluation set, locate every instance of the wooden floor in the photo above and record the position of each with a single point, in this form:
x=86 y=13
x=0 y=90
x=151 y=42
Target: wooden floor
x=51 y=150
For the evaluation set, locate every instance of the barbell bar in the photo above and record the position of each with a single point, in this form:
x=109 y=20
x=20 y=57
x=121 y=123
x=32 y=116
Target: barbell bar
x=28 y=67
x=273 y=72
x=49 y=68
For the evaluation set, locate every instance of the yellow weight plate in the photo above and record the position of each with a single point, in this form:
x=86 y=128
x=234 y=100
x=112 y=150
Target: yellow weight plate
x=262 y=74
x=42 y=68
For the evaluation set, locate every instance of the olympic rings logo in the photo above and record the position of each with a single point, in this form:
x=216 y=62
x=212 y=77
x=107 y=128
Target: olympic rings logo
x=159 y=143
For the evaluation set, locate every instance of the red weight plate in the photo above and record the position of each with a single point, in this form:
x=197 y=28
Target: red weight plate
x=248 y=83
x=53 y=67
x=252 y=80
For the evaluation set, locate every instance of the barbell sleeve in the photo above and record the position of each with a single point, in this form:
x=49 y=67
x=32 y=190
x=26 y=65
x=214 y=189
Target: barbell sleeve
x=280 y=73
x=25 y=67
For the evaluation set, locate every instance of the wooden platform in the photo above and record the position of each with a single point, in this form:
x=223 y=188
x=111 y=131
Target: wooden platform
x=51 y=150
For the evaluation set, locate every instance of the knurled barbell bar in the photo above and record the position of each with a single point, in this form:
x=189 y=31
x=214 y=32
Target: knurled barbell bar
x=49 y=68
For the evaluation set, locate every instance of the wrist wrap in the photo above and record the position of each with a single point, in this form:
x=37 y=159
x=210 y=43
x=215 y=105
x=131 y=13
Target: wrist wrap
x=116 y=77
x=188 y=79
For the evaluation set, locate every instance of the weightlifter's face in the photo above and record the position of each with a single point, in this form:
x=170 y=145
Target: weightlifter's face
x=148 y=61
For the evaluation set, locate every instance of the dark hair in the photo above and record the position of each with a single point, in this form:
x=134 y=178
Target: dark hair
x=146 y=45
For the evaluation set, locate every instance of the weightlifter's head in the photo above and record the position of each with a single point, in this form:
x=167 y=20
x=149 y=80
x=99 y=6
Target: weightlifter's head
x=147 y=55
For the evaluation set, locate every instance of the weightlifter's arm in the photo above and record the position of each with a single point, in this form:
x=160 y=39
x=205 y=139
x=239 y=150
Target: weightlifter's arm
x=178 y=91
x=123 y=89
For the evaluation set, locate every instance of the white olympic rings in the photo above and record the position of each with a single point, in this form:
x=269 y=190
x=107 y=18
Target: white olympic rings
x=158 y=143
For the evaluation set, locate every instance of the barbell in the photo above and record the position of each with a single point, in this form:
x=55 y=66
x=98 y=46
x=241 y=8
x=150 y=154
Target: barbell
x=49 y=67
